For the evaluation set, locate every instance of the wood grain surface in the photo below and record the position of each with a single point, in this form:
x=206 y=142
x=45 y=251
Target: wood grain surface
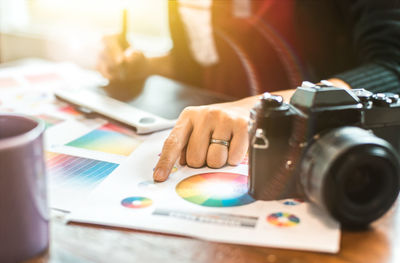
x=83 y=244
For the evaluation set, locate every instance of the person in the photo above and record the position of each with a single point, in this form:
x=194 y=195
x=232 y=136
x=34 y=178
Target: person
x=243 y=48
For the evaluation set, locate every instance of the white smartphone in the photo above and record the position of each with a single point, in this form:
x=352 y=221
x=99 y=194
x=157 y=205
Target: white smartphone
x=89 y=101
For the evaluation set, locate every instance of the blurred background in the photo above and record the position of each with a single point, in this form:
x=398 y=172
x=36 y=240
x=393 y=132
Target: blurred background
x=71 y=30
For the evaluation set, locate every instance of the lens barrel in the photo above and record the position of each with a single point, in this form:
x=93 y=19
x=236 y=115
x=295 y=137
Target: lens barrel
x=351 y=173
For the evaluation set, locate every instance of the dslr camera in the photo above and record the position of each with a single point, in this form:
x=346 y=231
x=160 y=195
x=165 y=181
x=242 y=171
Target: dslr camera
x=334 y=147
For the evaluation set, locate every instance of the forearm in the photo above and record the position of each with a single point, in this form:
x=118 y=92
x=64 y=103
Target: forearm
x=339 y=83
x=162 y=65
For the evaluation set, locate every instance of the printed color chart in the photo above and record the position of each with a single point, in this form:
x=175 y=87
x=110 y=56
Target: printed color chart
x=215 y=189
x=109 y=138
x=70 y=171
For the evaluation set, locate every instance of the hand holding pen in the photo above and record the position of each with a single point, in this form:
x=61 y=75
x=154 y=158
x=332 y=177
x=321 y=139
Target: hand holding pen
x=124 y=67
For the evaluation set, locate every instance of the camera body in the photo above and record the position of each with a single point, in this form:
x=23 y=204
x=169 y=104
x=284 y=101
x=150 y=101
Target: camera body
x=335 y=147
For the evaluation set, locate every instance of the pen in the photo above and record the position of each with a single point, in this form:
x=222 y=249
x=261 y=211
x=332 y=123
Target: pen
x=123 y=35
x=123 y=40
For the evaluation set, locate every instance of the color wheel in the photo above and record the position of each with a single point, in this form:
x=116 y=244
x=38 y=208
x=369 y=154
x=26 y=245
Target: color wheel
x=215 y=189
x=136 y=202
x=282 y=219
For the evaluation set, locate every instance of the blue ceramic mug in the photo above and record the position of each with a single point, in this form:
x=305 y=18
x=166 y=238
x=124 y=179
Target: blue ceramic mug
x=24 y=221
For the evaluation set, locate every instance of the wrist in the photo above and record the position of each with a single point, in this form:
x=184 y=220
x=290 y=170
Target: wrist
x=286 y=94
x=339 y=83
x=162 y=65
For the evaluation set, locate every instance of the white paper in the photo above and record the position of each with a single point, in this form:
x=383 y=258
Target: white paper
x=170 y=213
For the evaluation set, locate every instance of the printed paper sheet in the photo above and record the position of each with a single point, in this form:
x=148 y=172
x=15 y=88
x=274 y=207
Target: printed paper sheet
x=210 y=204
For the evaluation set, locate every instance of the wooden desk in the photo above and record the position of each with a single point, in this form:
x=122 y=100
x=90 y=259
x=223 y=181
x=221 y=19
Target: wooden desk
x=83 y=243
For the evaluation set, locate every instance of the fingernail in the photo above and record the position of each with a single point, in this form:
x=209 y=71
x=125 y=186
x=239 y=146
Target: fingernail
x=159 y=175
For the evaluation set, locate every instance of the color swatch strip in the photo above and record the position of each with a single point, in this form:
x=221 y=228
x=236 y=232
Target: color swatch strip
x=65 y=170
x=108 y=139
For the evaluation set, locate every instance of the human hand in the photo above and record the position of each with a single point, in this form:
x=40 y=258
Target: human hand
x=196 y=126
x=126 y=69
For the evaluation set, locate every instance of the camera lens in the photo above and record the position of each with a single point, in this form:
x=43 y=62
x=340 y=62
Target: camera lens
x=363 y=184
x=353 y=174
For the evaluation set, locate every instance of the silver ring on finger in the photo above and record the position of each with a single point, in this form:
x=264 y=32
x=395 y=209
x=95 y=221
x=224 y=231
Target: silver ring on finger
x=221 y=142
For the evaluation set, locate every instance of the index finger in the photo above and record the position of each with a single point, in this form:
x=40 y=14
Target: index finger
x=172 y=149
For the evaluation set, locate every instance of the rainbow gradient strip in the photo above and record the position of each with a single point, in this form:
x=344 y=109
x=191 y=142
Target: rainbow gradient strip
x=109 y=138
x=282 y=219
x=218 y=189
x=136 y=202
x=71 y=171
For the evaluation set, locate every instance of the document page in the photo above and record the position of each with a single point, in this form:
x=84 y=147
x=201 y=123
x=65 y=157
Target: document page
x=210 y=204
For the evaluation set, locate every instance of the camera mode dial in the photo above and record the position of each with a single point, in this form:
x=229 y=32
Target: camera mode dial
x=393 y=96
x=381 y=100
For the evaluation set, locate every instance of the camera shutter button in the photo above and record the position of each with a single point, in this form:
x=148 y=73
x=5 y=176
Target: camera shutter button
x=271 y=101
x=363 y=95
